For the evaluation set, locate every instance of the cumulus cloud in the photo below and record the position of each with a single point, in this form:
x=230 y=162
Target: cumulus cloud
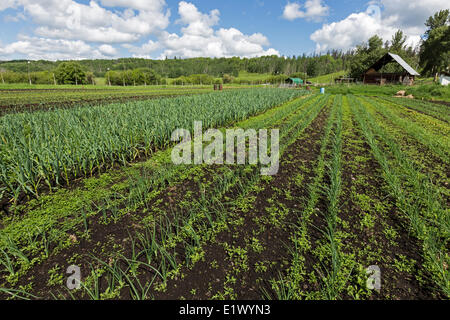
x=145 y=5
x=314 y=10
x=198 y=24
x=199 y=38
x=5 y=4
x=143 y=51
x=347 y=33
x=68 y=19
x=108 y=50
x=68 y=29
x=408 y=16
x=412 y=13
x=50 y=49
x=16 y=18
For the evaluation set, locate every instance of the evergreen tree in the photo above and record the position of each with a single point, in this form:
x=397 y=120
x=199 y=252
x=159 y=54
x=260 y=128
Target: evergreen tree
x=435 y=48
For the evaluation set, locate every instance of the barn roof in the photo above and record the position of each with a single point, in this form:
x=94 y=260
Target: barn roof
x=389 y=57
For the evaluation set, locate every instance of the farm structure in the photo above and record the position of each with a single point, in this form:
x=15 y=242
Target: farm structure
x=294 y=82
x=344 y=80
x=444 y=79
x=374 y=76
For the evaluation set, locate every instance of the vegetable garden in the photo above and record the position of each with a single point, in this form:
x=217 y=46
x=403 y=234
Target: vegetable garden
x=363 y=182
x=18 y=98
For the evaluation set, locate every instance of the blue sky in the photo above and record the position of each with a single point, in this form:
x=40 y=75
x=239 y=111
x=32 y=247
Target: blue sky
x=66 y=29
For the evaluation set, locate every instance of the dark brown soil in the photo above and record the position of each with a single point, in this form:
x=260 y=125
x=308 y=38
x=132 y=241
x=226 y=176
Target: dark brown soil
x=204 y=280
x=395 y=284
x=444 y=103
x=208 y=280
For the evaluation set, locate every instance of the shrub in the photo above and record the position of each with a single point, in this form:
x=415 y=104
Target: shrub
x=70 y=73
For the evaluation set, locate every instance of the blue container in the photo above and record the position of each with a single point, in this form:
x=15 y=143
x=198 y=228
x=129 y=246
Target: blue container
x=322 y=90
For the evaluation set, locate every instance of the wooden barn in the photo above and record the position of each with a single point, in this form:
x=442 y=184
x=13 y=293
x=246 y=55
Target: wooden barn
x=374 y=76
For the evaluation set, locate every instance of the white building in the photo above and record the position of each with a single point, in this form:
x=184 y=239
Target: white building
x=444 y=79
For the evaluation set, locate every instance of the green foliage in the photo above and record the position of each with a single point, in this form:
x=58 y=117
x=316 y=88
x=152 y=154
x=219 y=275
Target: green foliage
x=135 y=77
x=398 y=42
x=328 y=78
x=368 y=53
x=426 y=91
x=51 y=147
x=312 y=68
x=70 y=73
x=435 y=49
x=41 y=77
x=417 y=197
x=332 y=61
x=15 y=99
x=195 y=79
x=227 y=78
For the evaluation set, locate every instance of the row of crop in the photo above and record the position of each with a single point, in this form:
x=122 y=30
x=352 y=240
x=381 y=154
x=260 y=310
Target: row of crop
x=208 y=214
x=438 y=144
x=430 y=124
x=334 y=279
x=438 y=111
x=204 y=216
x=417 y=144
x=52 y=147
x=291 y=285
x=163 y=172
x=417 y=198
x=140 y=193
x=39 y=97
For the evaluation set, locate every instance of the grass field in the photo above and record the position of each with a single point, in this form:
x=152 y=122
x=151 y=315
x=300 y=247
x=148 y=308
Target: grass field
x=247 y=76
x=429 y=92
x=328 y=78
x=363 y=182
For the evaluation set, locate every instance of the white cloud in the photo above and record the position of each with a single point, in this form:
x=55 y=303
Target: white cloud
x=50 y=49
x=409 y=16
x=145 y=5
x=198 y=24
x=412 y=13
x=314 y=10
x=108 y=50
x=67 y=29
x=144 y=51
x=347 y=33
x=16 y=18
x=199 y=39
x=5 y=4
x=67 y=19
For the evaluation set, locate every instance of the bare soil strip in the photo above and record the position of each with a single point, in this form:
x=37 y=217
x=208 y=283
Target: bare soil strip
x=255 y=246
x=374 y=231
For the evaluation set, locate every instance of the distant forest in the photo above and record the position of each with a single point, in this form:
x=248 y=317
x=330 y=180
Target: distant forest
x=216 y=67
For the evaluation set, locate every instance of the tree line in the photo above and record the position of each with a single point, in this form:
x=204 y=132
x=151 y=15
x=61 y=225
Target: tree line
x=65 y=73
x=129 y=69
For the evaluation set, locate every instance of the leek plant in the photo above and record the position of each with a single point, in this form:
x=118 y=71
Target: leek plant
x=51 y=148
